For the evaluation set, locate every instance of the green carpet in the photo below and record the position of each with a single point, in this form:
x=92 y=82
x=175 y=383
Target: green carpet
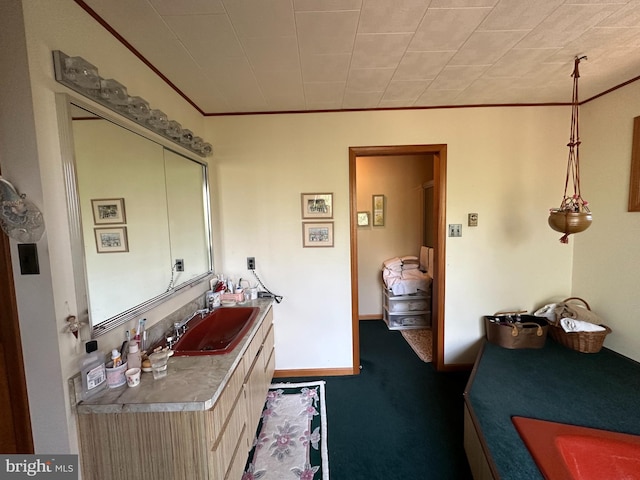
x=398 y=419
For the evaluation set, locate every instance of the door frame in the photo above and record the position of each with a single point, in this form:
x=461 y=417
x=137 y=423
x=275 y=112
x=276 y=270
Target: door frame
x=17 y=399
x=439 y=152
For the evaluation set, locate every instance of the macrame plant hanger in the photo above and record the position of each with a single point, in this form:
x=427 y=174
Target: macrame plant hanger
x=574 y=215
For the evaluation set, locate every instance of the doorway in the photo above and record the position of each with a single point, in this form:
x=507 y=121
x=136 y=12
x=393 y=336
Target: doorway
x=438 y=153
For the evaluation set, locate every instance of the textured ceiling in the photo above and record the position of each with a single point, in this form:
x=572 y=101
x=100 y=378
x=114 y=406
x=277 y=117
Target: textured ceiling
x=231 y=56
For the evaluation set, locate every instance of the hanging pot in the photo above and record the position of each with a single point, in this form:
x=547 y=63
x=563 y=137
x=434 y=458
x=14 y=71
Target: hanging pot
x=569 y=222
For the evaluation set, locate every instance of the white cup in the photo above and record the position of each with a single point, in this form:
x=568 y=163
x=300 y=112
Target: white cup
x=133 y=377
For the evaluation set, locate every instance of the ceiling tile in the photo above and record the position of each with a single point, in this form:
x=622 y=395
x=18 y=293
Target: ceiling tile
x=566 y=24
x=627 y=16
x=521 y=62
x=326 y=5
x=485 y=48
x=187 y=7
x=206 y=36
x=280 y=82
x=324 y=93
x=326 y=32
x=408 y=90
x=438 y=97
x=264 y=18
x=446 y=29
x=369 y=79
x=379 y=50
x=325 y=68
x=457 y=77
x=519 y=15
x=462 y=3
x=361 y=99
x=382 y=16
x=422 y=65
x=272 y=53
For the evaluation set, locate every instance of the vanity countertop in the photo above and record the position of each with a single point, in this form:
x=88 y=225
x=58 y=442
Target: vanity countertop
x=192 y=383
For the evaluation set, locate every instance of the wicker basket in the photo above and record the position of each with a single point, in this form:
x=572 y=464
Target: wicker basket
x=585 y=342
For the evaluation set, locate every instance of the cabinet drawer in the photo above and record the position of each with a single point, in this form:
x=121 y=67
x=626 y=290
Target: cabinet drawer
x=218 y=416
x=230 y=440
x=407 y=320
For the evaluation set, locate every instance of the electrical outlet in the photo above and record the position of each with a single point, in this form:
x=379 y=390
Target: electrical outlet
x=251 y=263
x=455 y=229
x=179 y=265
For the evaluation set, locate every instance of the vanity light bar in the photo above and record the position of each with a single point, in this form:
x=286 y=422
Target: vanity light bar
x=82 y=77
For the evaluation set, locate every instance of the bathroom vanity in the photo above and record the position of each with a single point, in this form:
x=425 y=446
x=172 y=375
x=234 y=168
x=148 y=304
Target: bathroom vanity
x=196 y=423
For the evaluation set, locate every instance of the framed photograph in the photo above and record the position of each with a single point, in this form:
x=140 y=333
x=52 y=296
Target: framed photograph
x=378 y=210
x=316 y=234
x=108 y=211
x=111 y=239
x=317 y=205
x=363 y=219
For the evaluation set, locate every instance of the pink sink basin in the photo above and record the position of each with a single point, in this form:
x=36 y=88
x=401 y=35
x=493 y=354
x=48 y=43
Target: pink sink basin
x=217 y=333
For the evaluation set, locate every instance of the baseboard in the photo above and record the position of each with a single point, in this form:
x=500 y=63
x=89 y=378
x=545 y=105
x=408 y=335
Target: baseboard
x=370 y=317
x=456 y=367
x=315 y=372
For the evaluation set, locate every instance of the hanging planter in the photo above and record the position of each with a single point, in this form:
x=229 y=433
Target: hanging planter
x=574 y=215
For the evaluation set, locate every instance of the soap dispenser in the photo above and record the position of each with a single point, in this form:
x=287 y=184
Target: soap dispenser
x=92 y=370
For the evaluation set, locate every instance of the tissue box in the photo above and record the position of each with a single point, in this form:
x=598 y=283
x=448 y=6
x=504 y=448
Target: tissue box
x=232 y=297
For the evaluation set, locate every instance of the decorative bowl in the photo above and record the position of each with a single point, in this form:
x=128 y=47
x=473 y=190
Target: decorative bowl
x=569 y=222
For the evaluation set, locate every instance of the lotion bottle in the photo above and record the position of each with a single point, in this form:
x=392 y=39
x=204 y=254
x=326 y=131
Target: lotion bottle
x=92 y=370
x=134 y=357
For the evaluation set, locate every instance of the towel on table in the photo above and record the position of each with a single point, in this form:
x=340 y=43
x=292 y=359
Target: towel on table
x=393 y=264
x=573 y=325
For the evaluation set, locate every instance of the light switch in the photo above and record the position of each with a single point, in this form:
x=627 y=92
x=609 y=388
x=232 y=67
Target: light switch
x=473 y=219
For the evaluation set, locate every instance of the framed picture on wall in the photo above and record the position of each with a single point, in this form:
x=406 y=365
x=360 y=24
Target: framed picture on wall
x=111 y=239
x=363 y=219
x=108 y=211
x=378 y=210
x=317 y=205
x=316 y=234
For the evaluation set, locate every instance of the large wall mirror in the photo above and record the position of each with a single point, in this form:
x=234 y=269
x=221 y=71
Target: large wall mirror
x=139 y=211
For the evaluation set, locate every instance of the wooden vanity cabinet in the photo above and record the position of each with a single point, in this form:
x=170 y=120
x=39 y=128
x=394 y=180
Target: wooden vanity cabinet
x=190 y=445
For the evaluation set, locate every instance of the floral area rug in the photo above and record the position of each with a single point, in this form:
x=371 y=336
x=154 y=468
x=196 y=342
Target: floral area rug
x=291 y=442
x=421 y=343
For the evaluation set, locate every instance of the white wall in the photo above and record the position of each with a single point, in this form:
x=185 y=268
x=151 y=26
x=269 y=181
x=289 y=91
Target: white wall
x=31 y=159
x=507 y=164
x=607 y=255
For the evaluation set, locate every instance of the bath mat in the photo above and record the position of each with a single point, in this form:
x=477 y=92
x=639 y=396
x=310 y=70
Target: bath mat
x=421 y=343
x=291 y=442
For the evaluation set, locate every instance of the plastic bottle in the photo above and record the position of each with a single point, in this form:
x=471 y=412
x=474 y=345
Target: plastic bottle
x=116 y=358
x=92 y=370
x=134 y=358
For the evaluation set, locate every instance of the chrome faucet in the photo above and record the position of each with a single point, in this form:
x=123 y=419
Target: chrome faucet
x=181 y=327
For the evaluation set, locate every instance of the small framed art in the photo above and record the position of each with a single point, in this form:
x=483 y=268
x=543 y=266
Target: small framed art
x=108 y=211
x=316 y=234
x=111 y=239
x=317 y=205
x=363 y=219
x=378 y=210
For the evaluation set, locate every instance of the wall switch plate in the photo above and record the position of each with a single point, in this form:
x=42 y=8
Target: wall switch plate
x=251 y=263
x=473 y=219
x=455 y=229
x=180 y=265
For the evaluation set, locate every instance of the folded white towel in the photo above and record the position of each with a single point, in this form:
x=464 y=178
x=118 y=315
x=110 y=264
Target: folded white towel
x=573 y=325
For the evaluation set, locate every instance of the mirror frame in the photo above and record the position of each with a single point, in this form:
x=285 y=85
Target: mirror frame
x=63 y=108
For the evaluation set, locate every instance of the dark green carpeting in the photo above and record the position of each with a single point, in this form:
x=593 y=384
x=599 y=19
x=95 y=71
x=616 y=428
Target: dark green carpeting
x=398 y=419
